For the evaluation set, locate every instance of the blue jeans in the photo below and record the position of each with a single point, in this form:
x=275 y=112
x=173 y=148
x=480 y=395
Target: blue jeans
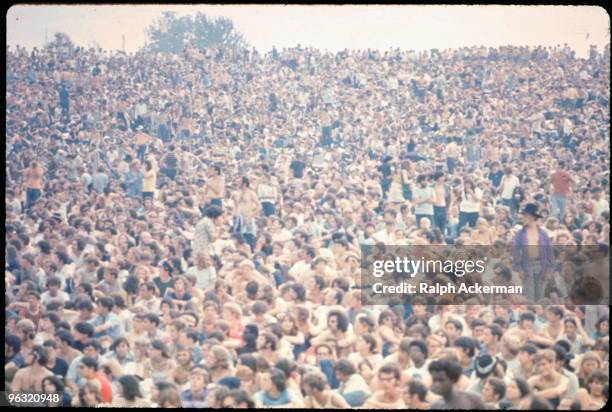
x=141 y=152
x=559 y=206
x=267 y=208
x=451 y=163
x=469 y=218
x=32 y=195
x=440 y=218
x=533 y=283
x=511 y=205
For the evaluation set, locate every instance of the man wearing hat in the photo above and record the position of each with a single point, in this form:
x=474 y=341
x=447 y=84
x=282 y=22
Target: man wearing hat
x=484 y=367
x=532 y=253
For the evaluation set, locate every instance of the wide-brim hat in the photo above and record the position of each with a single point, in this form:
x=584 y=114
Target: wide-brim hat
x=531 y=209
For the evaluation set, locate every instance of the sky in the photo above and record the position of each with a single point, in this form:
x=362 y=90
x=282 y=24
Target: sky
x=326 y=27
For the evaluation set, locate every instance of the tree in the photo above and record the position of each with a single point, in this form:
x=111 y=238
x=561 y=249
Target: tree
x=60 y=40
x=171 y=34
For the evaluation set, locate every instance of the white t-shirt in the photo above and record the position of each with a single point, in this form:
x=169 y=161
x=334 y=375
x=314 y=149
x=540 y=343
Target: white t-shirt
x=508 y=184
x=421 y=373
x=204 y=277
x=599 y=207
x=471 y=204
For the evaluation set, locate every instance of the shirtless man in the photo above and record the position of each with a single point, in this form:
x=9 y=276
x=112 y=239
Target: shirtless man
x=593 y=398
x=29 y=379
x=444 y=374
x=33 y=183
x=390 y=394
x=548 y=383
x=215 y=189
x=532 y=254
x=247 y=208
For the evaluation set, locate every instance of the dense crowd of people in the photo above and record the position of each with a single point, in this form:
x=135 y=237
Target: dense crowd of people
x=186 y=230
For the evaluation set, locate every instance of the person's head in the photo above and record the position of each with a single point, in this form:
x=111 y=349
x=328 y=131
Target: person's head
x=52 y=384
x=337 y=321
x=444 y=374
x=274 y=381
x=83 y=331
x=415 y=392
x=367 y=344
x=478 y=327
x=314 y=382
x=199 y=377
x=38 y=356
x=494 y=390
x=238 y=399
x=267 y=342
x=169 y=398
x=603 y=325
x=526 y=320
x=88 y=367
x=467 y=347
x=589 y=362
x=422 y=180
x=418 y=351
x=219 y=358
x=121 y=346
x=89 y=394
x=214 y=213
x=389 y=377
x=545 y=361
x=12 y=345
x=130 y=387
x=485 y=366
x=527 y=353
x=554 y=314
x=158 y=350
x=492 y=334
x=105 y=305
x=517 y=389
x=453 y=328
x=344 y=369
x=596 y=382
x=151 y=322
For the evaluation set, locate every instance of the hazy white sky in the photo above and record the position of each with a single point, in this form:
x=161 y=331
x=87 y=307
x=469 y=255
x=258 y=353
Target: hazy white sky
x=327 y=27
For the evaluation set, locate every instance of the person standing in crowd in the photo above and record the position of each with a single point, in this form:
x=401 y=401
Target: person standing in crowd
x=267 y=193
x=441 y=203
x=100 y=180
x=532 y=253
x=508 y=184
x=142 y=140
x=469 y=206
x=33 y=183
x=247 y=208
x=206 y=229
x=215 y=188
x=149 y=181
x=134 y=180
x=561 y=182
x=423 y=198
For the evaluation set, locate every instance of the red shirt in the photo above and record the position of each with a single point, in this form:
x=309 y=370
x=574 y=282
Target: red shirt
x=106 y=392
x=561 y=181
